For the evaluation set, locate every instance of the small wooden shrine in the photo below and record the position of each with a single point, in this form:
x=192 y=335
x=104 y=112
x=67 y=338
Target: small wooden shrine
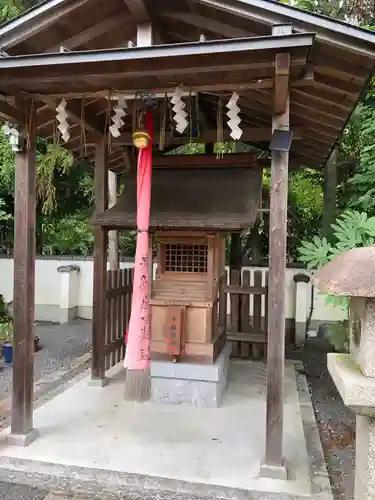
x=190 y=217
x=280 y=79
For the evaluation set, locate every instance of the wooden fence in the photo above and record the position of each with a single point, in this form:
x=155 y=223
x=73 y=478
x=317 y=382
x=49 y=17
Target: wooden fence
x=118 y=297
x=247 y=323
x=247 y=293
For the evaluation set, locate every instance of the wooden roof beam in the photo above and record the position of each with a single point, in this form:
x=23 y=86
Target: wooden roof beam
x=282 y=72
x=336 y=33
x=211 y=25
x=11 y=113
x=147 y=22
x=35 y=21
x=138 y=10
x=90 y=33
x=264 y=84
x=74 y=109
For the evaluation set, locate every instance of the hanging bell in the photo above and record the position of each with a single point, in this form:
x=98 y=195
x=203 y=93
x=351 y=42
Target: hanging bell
x=141 y=139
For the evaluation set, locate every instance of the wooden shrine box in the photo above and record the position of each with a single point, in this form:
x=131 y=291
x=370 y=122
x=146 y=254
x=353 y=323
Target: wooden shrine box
x=192 y=210
x=185 y=296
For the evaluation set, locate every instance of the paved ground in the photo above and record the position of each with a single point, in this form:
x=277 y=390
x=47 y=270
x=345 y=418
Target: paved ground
x=61 y=345
x=336 y=423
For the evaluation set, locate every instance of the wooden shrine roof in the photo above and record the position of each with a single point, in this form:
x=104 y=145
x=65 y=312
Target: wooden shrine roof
x=188 y=198
x=331 y=62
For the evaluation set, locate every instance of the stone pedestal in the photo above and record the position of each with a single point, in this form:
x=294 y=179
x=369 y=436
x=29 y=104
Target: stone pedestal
x=193 y=384
x=358 y=393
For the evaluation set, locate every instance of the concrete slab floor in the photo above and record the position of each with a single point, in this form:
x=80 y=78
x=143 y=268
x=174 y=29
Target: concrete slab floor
x=89 y=428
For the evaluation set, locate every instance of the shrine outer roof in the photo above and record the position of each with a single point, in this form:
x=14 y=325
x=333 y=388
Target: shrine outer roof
x=188 y=198
x=327 y=79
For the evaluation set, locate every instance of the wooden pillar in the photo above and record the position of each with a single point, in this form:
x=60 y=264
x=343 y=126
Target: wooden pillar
x=113 y=250
x=22 y=432
x=273 y=464
x=100 y=267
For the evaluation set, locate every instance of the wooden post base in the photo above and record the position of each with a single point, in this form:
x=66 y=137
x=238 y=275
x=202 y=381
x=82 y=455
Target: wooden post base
x=274 y=471
x=98 y=382
x=22 y=439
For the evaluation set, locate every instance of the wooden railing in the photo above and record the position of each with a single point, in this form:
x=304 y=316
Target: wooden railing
x=118 y=297
x=247 y=325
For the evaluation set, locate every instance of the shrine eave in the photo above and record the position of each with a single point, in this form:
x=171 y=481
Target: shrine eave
x=44 y=73
x=67 y=49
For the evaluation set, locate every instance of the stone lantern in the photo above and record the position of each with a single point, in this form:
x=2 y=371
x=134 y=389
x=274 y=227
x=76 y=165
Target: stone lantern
x=352 y=274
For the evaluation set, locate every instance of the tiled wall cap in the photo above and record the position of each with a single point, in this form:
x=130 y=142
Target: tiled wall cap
x=301 y=278
x=68 y=269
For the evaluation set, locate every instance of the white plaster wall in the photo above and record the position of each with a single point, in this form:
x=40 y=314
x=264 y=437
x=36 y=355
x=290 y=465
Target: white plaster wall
x=48 y=289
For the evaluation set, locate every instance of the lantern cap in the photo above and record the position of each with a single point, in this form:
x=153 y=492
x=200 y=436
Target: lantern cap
x=351 y=274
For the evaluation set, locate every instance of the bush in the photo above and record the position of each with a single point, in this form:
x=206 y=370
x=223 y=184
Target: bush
x=70 y=235
x=352 y=229
x=4 y=316
x=6 y=331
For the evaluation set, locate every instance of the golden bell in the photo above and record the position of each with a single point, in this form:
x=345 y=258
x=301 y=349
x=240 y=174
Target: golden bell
x=141 y=139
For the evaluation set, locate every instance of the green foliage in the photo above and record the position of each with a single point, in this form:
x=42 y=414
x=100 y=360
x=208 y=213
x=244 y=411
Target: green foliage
x=10 y=9
x=352 y=229
x=54 y=160
x=362 y=182
x=68 y=235
x=127 y=243
x=65 y=194
x=6 y=331
x=305 y=208
x=359 y=12
x=4 y=316
x=338 y=334
x=4 y=216
x=315 y=253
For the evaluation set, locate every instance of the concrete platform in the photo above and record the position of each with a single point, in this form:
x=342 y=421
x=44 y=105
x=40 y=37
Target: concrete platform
x=94 y=444
x=189 y=383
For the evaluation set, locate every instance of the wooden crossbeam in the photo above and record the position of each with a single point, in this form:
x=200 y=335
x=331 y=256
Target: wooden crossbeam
x=74 y=110
x=250 y=134
x=11 y=113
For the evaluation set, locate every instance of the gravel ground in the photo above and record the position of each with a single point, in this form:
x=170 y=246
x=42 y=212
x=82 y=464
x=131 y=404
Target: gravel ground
x=335 y=422
x=61 y=344
x=20 y=492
